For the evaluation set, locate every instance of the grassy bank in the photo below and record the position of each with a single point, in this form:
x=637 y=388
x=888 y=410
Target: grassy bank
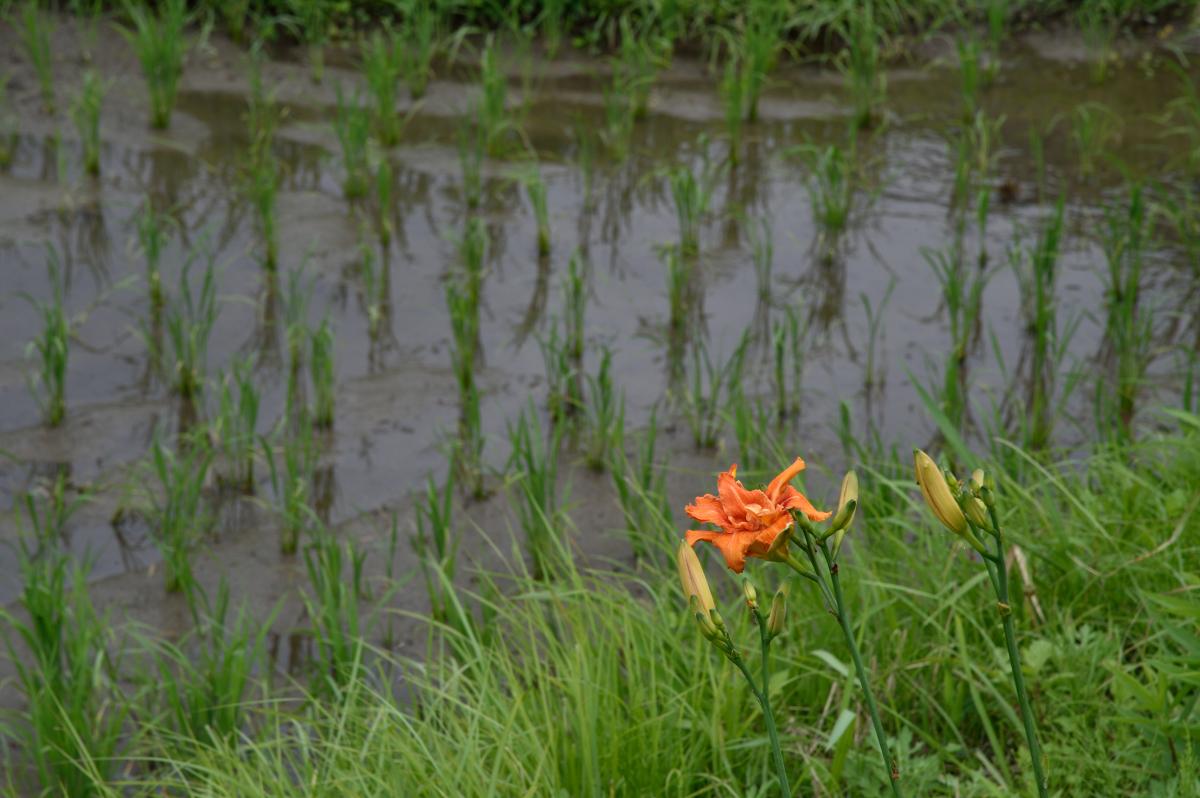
x=603 y=23
x=596 y=683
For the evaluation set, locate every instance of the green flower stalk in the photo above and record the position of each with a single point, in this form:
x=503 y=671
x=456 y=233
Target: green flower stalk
x=969 y=511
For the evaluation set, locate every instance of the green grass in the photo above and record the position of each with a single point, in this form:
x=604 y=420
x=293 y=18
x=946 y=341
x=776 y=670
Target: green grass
x=595 y=683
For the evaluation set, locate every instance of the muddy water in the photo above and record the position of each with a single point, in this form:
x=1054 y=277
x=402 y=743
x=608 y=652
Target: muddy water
x=396 y=401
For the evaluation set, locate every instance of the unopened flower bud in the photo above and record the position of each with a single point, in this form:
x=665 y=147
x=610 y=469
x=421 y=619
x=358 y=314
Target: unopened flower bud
x=750 y=593
x=848 y=506
x=692 y=578
x=976 y=512
x=778 y=614
x=939 y=497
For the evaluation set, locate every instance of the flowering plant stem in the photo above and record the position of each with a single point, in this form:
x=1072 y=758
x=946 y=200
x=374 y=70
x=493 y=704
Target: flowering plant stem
x=764 y=695
x=998 y=571
x=835 y=602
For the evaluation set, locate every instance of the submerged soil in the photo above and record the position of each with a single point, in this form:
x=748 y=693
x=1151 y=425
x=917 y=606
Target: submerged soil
x=396 y=393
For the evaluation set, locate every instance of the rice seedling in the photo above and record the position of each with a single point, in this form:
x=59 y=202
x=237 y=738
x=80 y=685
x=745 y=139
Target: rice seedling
x=682 y=292
x=762 y=252
x=152 y=235
x=332 y=607
x=53 y=347
x=205 y=678
x=89 y=13
x=292 y=484
x=374 y=288
x=177 y=507
x=36 y=30
x=962 y=297
x=436 y=544
x=533 y=469
x=977 y=148
x=564 y=394
x=233 y=16
x=262 y=111
x=831 y=187
x=382 y=61
x=605 y=415
x=352 y=124
x=971 y=74
x=262 y=167
x=296 y=333
x=491 y=112
x=692 y=197
x=575 y=307
x=235 y=429
x=47 y=510
x=1181 y=210
x=619 y=118
x=321 y=361
x=1037 y=276
x=639 y=57
x=422 y=39
x=158 y=40
x=190 y=318
x=311 y=19
x=754 y=48
x=712 y=385
x=551 y=23
x=86 y=113
x=750 y=421
x=860 y=62
x=1183 y=119
x=57 y=645
x=7 y=136
x=472 y=146
x=535 y=190
x=1094 y=129
x=1099 y=24
x=996 y=16
x=788 y=351
x=585 y=139
x=383 y=202
x=872 y=375
x=1128 y=326
x=733 y=100
x=640 y=484
x=462 y=300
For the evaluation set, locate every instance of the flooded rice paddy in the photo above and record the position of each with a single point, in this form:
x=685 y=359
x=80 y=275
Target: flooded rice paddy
x=873 y=324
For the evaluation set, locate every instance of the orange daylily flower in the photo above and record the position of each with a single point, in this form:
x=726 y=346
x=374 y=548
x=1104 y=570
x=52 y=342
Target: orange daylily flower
x=750 y=520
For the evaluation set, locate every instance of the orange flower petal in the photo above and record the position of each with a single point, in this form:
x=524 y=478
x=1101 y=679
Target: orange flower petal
x=764 y=538
x=793 y=499
x=733 y=495
x=732 y=545
x=785 y=476
x=708 y=510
